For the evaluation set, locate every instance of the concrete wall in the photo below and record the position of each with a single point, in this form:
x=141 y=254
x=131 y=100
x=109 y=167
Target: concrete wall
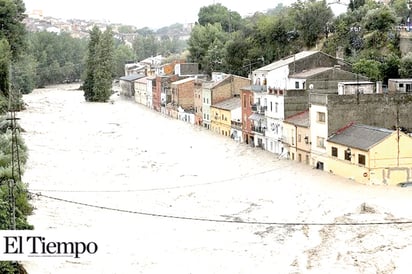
x=378 y=110
x=295 y=101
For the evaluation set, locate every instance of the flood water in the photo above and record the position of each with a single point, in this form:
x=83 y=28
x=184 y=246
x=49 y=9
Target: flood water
x=163 y=196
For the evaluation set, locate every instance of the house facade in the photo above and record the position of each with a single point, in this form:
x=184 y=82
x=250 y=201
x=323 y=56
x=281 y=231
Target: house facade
x=217 y=91
x=127 y=84
x=284 y=93
x=198 y=104
x=140 y=87
x=182 y=97
x=370 y=155
x=297 y=137
x=246 y=96
x=222 y=115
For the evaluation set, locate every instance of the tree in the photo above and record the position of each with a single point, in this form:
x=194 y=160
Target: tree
x=381 y=19
x=203 y=41
x=216 y=13
x=104 y=69
x=11 y=25
x=122 y=54
x=369 y=68
x=100 y=68
x=311 y=17
x=91 y=63
x=405 y=66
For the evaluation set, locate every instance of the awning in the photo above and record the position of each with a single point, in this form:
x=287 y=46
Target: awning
x=256 y=117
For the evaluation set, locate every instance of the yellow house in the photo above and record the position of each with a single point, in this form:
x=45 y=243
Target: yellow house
x=297 y=136
x=222 y=114
x=370 y=155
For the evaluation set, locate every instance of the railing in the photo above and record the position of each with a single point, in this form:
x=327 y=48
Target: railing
x=258 y=129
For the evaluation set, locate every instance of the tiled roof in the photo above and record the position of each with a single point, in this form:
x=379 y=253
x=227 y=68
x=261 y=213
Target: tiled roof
x=360 y=136
x=299 y=119
x=229 y=104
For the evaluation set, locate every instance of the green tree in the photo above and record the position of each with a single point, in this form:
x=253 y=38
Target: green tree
x=104 y=69
x=216 y=13
x=12 y=27
x=311 y=18
x=205 y=45
x=122 y=54
x=405 y=66
x=381 y=19
x=369 y=68
x=24 y=77
x=91 y=63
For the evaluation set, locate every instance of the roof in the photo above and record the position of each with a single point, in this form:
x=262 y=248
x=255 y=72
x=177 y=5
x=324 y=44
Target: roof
x=132 y=77
x=229 y=104
x=311 y=72
x=299 y=119
x=360 y=136
x=288 y=60
x=182 y=81
x=401 y=80
x=256 y=117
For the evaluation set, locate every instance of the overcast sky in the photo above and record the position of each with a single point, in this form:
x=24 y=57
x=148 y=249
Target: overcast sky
x=152 y=14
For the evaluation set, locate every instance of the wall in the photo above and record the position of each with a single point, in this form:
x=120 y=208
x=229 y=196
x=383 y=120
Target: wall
x=382 y=165
x=378 y=110
x=183 y=94
x=295 y=101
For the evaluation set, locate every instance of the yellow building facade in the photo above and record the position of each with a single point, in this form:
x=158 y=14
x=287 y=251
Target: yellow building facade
x=220 y=121
x=222 y=114
x=370 y=155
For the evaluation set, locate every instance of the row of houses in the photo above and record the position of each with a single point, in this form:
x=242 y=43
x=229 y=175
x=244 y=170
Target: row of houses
x=308 y=107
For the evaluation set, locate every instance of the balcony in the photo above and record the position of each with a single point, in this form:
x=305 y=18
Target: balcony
x=258 y=129
x=236 y=124
x=259 y=109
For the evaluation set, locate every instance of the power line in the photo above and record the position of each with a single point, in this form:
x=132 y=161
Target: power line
x=199 y=219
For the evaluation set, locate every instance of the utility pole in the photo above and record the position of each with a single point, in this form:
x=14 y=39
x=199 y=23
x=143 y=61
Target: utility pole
x=15 y=158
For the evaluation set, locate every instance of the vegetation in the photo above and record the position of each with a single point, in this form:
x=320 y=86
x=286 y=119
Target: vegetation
x=366 y=36
x=99 y=66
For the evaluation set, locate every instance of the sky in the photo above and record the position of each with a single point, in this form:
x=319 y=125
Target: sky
x=143 y=14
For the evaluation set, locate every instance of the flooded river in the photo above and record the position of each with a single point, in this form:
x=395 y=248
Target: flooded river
x=163 y=196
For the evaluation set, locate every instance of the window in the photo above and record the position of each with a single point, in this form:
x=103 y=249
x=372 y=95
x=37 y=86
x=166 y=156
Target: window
x=361 y=159
x=271 y=106
x=299 y=138
x=401 y=85
x=334 y=151
x=276 y=107
x=300 y=158
x=244 y=100
x=293 y=156
x=320 y=142
x=320 y=117
x=348 y=154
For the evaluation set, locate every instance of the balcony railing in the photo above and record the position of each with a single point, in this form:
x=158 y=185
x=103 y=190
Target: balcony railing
x=259 y=109
x=235 y=124
x=258 y=129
